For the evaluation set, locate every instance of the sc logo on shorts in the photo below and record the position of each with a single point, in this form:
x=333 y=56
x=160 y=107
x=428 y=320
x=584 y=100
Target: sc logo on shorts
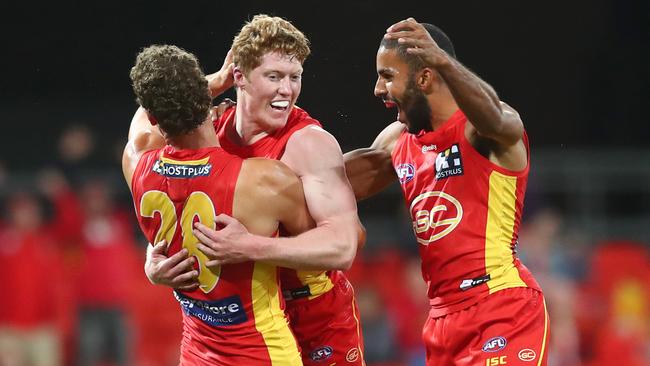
x=435 y=215
x=527 y=354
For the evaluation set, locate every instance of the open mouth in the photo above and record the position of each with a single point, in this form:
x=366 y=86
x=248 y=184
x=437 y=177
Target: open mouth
x=389 y=103
x=280 y=105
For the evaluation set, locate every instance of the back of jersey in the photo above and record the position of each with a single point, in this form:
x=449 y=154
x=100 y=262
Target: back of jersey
x=235 y=315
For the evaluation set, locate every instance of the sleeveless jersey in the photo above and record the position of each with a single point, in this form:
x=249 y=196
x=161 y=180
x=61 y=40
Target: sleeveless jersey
x=235 y=316
x=466 y=213
x=296 y=284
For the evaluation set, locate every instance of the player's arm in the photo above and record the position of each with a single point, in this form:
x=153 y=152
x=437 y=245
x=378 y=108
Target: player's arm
x=223 y=79
x=489 y=117
x=143 y=136
x=370 y=170
x=316 y=157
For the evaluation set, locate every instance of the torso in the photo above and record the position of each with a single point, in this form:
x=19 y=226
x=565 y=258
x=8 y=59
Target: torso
x=466 y=213
x=235 y=304
x=296 y=284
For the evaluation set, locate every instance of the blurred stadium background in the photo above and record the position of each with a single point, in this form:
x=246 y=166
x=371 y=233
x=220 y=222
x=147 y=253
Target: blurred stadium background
x=72 y=285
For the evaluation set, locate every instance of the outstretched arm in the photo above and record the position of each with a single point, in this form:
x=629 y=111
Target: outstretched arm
x=491 y=118
x=370 y=170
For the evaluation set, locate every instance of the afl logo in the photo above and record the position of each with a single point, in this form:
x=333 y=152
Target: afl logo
x=527 y=354
x=495 y=344
x=405 y=172
x=321 y=353
x=435 y=215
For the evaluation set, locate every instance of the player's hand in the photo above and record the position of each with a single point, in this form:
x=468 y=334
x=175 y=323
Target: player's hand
x=231 y=244
x=176 y=271
x=223 y=79
x=216 y=112
x=418 y=41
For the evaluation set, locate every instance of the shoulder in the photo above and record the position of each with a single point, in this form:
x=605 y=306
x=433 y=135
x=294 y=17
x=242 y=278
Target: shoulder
x=311 y=138
x=139 y=144
x=266 y=177
x=388 y=137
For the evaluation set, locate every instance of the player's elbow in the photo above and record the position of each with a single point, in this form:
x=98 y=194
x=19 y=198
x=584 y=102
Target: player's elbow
x=348 y=251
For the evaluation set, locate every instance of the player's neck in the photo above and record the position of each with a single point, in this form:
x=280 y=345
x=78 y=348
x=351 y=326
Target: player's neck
x=441 y=110
x=201 y=137
x=246 y=130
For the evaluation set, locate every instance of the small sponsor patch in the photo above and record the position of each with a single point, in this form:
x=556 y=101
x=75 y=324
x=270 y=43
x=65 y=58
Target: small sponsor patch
x=296 y=293
x=449 y=163
x=427 y=148
x=494 y=344
x=352 y=355
x=527 y=355
x=405 y=172
x=468 y=284
x=321 y=353
x=219 y=313
x=182 y=169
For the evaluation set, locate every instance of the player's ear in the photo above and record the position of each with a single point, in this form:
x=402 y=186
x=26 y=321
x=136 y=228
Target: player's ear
x=151 y=118
x=240 y=78
x=427 y=80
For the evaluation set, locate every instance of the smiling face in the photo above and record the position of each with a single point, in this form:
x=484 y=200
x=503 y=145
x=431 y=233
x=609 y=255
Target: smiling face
x=396 y=86
x=268 y=93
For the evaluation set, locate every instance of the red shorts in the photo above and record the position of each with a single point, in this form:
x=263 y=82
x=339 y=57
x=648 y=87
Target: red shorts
x=328 y=328
x=509 y=327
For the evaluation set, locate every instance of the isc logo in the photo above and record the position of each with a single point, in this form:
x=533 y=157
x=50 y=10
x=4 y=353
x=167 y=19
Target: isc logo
x=495 y=361
x=442 y=218
x=494 y=344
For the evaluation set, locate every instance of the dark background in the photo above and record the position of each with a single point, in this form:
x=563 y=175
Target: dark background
x=577 y=71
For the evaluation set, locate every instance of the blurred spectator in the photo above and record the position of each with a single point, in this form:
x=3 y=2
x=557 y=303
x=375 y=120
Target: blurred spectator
x=615 y=312
x=77 y=155
x=31 y=308
x=378 y=332
x=543 y=252
x=105 y=276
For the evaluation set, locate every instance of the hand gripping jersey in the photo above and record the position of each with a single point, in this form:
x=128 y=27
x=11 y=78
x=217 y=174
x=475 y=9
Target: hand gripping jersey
x=466 y=213
x=295 y=284
x=235 y=316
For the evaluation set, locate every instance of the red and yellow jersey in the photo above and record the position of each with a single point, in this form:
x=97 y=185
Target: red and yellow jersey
x=296 y=284
x=235 y=316
x=466 y=213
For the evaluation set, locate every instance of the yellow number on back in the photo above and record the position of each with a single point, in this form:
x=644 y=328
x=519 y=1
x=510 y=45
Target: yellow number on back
x=198 y=205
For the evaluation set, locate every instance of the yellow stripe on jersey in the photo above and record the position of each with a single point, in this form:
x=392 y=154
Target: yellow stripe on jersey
x=541 y=351
x=318 y=281
x=499 y=231
x=185 y=162
x=270 y=320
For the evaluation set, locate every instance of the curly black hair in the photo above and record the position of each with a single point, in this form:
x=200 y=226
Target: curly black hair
x=169 y=83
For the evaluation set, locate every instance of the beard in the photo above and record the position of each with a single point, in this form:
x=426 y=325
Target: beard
x=417 y=109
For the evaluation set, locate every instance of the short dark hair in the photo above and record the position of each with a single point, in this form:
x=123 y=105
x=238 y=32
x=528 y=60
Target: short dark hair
x=415 y=63
x=169 y=83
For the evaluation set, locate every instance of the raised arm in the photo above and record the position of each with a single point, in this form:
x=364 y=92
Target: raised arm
x=370 y=170
x=143 y=136
x=489 y=117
